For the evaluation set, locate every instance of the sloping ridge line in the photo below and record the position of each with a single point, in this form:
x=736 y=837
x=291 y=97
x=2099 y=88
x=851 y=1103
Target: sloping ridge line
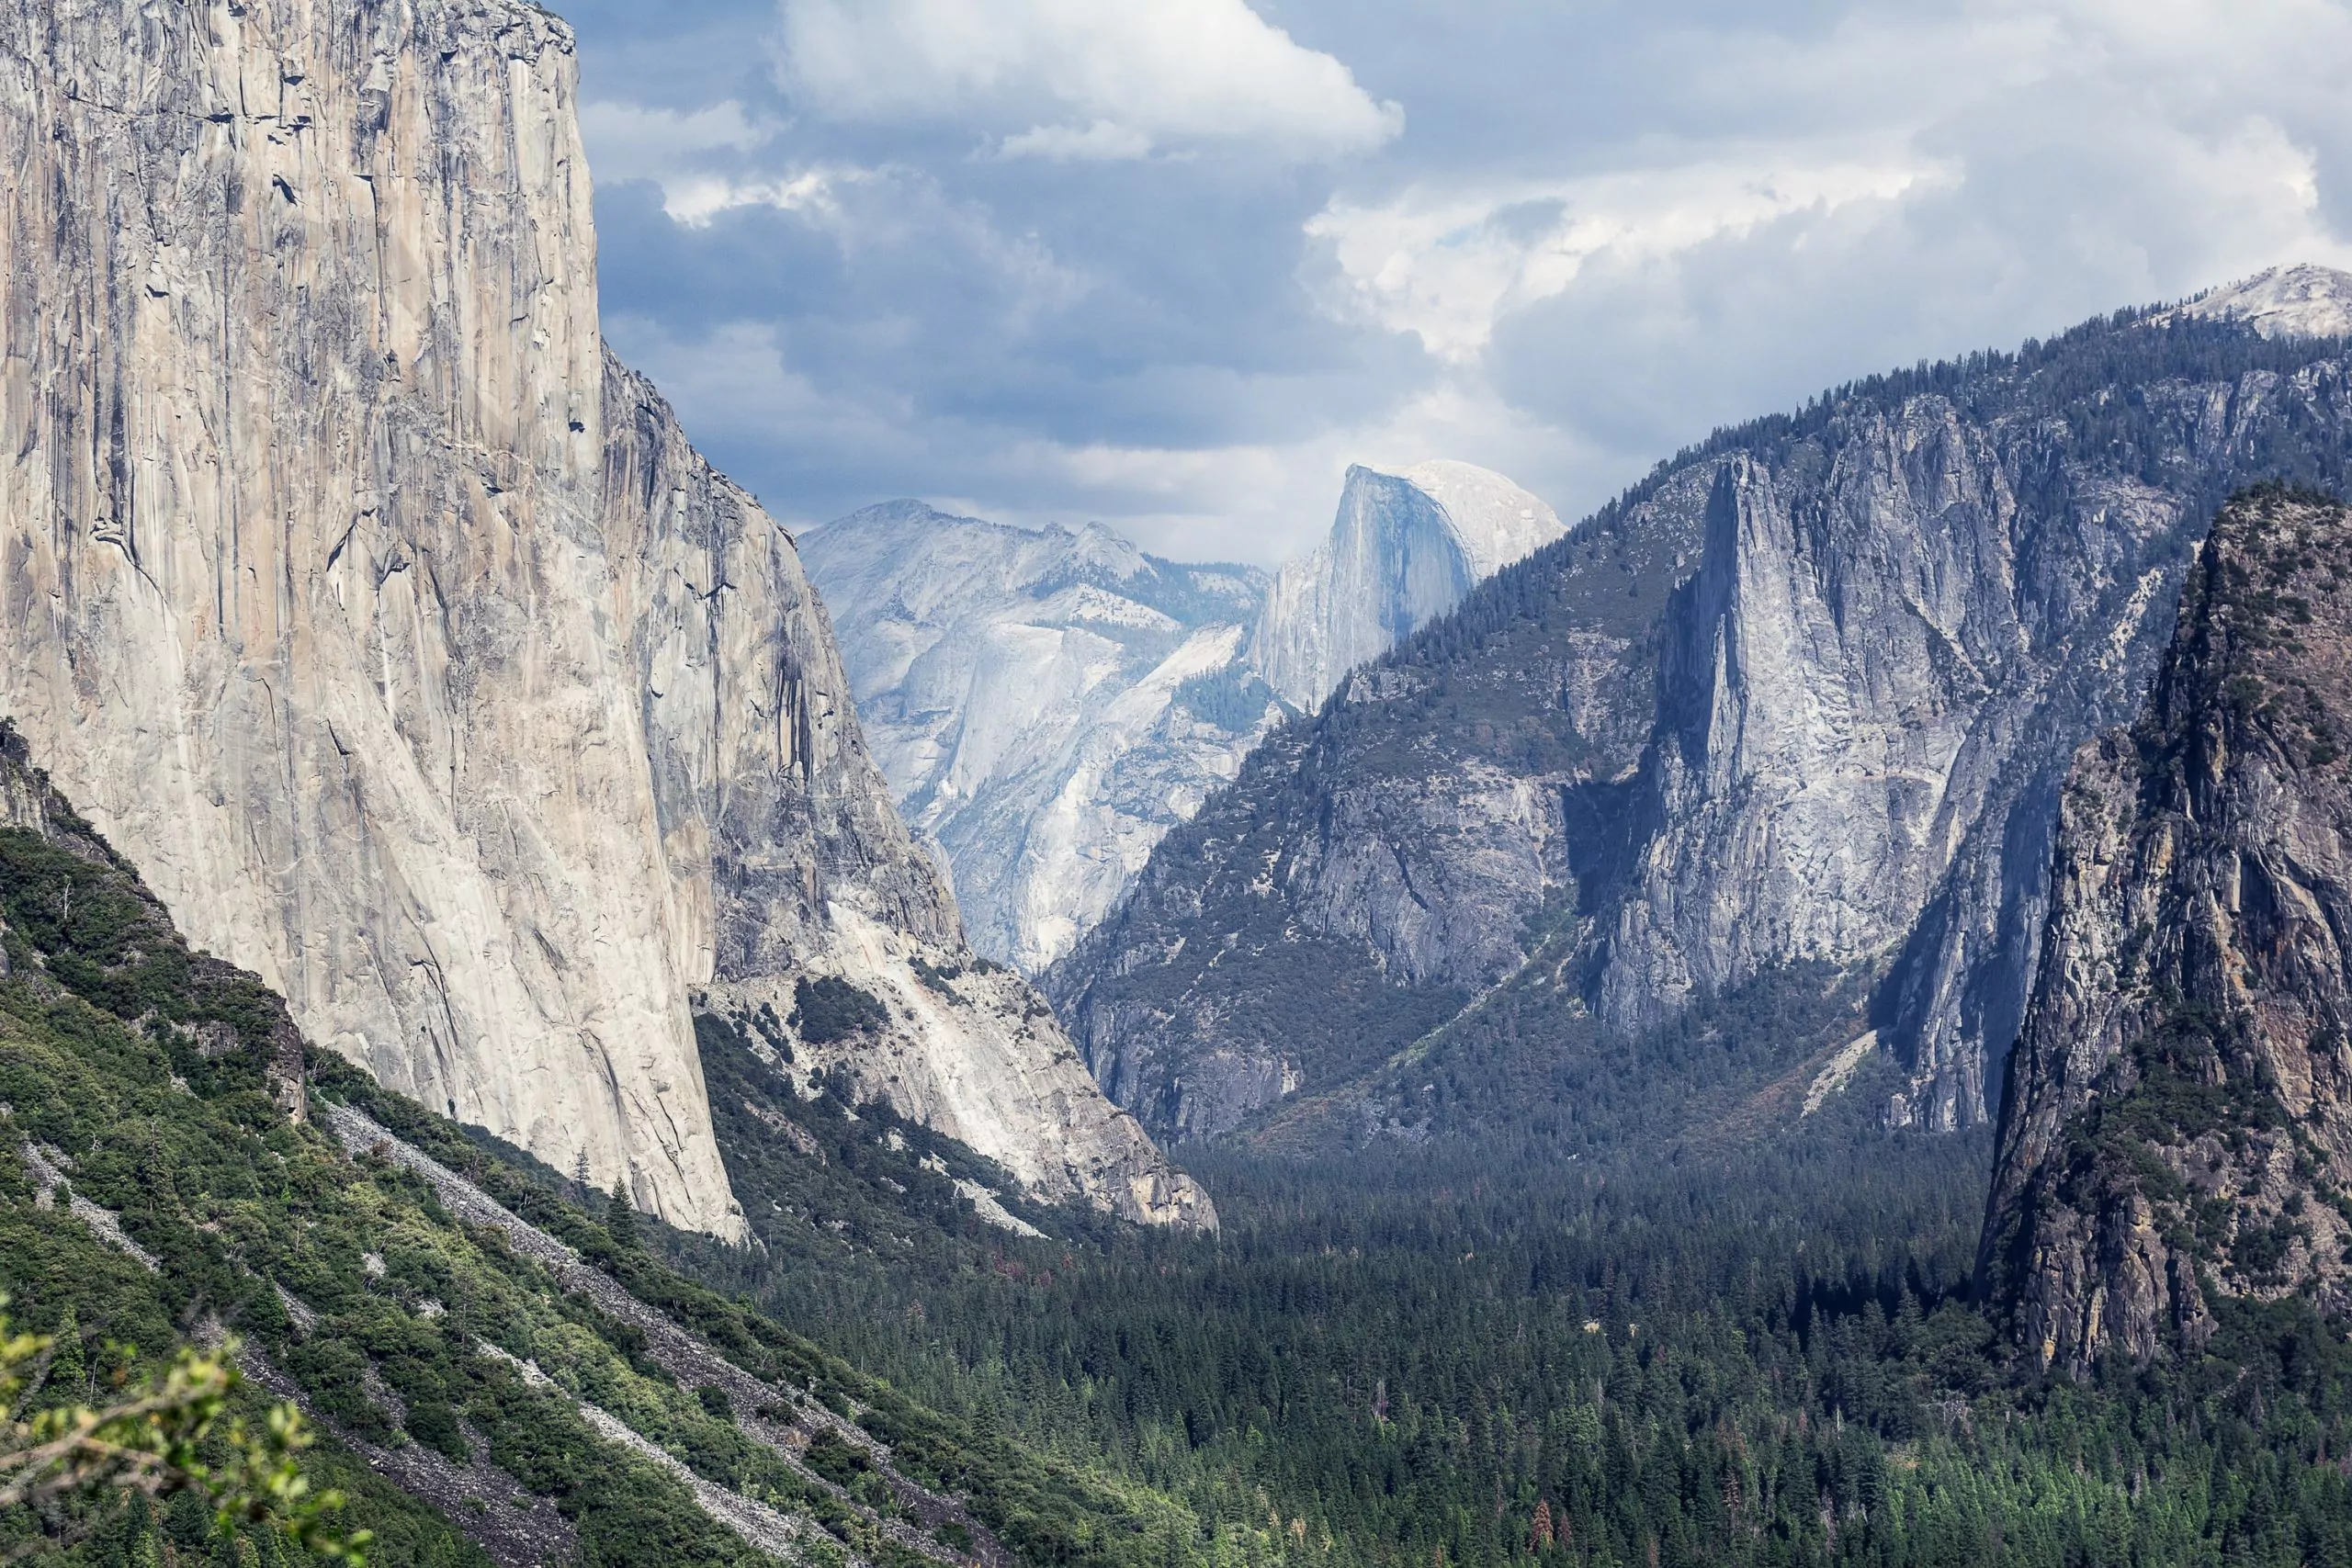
x=691 y=1359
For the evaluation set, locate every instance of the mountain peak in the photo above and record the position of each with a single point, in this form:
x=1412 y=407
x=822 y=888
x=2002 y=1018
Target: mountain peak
x=1406 y=545
x=2304 y=300
x=1495 y=520
x=1105 y=548
x=905 y=511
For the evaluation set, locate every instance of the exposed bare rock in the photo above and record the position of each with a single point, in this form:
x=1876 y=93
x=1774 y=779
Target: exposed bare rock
x=393 y=631
x=306 y=585
x=2281 y=301
x=972 y=1050
x=2179 y=1119
x=788 y=861
x=1857 y=711
x=1404 y=547
x=1045 y=703
x=1375 y=866
x=1805 y=695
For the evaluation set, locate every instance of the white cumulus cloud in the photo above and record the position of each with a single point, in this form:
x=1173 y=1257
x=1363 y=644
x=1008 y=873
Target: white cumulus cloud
x=1445 y=263
x=1081 y=79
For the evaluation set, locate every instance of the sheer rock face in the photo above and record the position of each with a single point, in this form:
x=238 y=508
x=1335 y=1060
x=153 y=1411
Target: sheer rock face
x=1405 y=547
x=1376 y=864
x=1808 y=694
x=2178 y=1118
x=1858 y=703
x=405 y=644
x=769 y=810
x=1045 y=703
x=306 y=580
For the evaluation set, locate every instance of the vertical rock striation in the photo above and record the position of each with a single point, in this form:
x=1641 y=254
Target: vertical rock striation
x=1404 y=547
x=401 y=639
x=304 y=560
x=2179 y=1119
x=1806 y=694
x=1377 y=865
x=1860 y=700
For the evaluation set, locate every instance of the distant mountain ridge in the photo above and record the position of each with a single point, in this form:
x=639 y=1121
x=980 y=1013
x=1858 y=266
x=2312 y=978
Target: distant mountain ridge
x=1034 y=700
x=1803 y=697
x=1046 y=703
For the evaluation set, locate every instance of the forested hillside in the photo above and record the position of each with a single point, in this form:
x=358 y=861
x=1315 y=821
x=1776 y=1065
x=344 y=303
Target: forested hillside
x=1683 y=1299
x=1677 y=1336
x=1497 y=1353
x=507 y=1378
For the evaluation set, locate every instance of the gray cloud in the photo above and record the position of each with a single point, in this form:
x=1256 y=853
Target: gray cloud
x=1078 y=273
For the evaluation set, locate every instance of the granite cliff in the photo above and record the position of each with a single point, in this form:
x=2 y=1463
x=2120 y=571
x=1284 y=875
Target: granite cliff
x=1805 y=696
x=399 y=636
x=1045 y=703
x=1405 y=547
x=1048 y=705
x=2177 y=1125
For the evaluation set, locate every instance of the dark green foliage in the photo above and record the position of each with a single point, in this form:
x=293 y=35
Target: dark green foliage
x=82 y=921
x=1391 y=1347
x=1047 y=1508
x=1530 y=1060
x=1231 y=698
x=174 y=1128
x=826 y=1010
x=934 y=978
x=620 y=1217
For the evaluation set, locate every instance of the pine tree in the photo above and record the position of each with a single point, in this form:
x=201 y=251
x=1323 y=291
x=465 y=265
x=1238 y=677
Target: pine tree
x=620 y=1217
x=69 y=1365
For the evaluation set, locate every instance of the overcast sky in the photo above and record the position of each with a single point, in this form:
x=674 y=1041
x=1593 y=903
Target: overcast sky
x=1174 y=263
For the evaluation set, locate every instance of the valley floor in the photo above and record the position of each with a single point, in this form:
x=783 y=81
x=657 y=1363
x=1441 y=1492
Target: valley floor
x=1486 y=1351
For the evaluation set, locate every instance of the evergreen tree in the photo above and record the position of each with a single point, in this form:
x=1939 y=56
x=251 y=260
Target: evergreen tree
x=620 y=1216
x=68 y=1382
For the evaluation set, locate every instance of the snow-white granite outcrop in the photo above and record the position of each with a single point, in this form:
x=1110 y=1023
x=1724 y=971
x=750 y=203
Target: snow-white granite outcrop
x=1045 y=703
x=2304 y=300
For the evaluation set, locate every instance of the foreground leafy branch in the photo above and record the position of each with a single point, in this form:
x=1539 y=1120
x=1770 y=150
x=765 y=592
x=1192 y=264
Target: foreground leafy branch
x=174 y=1434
